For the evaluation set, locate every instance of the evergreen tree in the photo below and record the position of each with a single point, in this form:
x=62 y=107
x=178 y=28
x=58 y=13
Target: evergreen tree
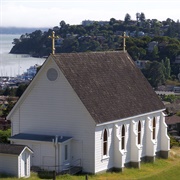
x=167 y=67
x=155 y=73
x=137 y=17
x=142 y=17
x=127 y=18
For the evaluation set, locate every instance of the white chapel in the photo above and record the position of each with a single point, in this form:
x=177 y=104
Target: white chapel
x=95 y=110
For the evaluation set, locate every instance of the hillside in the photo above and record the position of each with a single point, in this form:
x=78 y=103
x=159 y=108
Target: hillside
x=103 y=36
x=156 y=42
x=18 y=30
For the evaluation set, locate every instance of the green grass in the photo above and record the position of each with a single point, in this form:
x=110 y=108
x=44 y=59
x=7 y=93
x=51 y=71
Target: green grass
x=161 y=169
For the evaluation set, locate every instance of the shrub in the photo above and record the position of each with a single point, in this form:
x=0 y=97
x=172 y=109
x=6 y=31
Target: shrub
x=173 y=141
x=4 y=135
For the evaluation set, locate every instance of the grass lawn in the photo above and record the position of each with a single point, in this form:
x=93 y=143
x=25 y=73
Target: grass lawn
x=161 y=169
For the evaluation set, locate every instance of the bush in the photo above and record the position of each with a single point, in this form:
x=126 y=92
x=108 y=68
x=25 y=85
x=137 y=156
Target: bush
x=4 y=135
x=173 y=141
x=170 y=98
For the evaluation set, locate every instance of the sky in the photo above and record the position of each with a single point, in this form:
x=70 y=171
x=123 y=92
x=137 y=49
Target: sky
x=49 y=13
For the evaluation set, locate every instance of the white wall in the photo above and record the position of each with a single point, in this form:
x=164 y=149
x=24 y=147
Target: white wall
x=9 y=164
x=24 y=164
x=53 y=108
x=118 y=157
x=103 y=163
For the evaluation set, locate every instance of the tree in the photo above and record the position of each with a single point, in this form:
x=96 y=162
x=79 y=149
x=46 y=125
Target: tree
x=169 y=21
x=137 y=16
x=147 y=26
x=21 y=88
x=172 y=50
x=178 y=26
x=155 y=53
x=16 y=41
x=10 y=105
x=142 y=17
x=62 y=24
x=155 y=73
x=167 y=67
x=112 y=21
x=127 y=18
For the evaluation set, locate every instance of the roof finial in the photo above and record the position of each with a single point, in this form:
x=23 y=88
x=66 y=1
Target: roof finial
x=53 y=37
x=124 y=41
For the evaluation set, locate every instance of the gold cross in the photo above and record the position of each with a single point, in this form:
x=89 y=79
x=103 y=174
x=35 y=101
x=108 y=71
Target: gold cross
x=124 y=41
x=53 y=37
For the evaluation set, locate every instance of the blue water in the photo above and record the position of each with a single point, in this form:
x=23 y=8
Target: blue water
x=12 y=64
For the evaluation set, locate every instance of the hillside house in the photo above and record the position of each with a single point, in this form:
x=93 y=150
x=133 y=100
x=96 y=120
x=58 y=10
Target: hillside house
x=173 y=123
x=94 y=108
x=152 y=45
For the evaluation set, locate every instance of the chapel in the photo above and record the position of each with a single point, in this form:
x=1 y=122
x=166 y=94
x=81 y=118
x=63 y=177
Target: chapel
x=94 y=110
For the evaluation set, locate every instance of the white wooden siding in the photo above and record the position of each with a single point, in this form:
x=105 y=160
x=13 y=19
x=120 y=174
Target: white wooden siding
x=158 y=133
x=53 y=108
x=143 y=138
x=9 y=164
x=104 y=164
x=41 y=152
x=24 y=164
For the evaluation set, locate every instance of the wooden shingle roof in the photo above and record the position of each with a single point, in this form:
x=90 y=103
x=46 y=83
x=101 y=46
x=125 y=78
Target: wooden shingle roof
x=11 y=149
x=109 y=84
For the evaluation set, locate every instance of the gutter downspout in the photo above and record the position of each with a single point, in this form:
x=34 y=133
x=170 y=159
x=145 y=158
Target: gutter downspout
x=55 y=141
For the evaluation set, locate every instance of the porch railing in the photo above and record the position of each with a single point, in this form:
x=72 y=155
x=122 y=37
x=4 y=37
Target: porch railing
x=67 y=168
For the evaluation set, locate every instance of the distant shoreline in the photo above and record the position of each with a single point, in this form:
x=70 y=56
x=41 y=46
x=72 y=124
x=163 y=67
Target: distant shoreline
x=19 y=30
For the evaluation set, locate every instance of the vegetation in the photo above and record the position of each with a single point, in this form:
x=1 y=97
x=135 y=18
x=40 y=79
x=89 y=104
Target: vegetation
x=170 y=98
x=4 y=135
x=103 y=36
x=7 y=109
x=14 y=91
x=174 y=141
x=161 y=169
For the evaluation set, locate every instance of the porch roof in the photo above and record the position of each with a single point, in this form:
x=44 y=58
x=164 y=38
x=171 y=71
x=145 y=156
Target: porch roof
x=40 y=137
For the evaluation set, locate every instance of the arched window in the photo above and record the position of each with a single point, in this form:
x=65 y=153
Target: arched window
x=105 y=142
x=139 y=132
x=154 y=128
x=123 y=137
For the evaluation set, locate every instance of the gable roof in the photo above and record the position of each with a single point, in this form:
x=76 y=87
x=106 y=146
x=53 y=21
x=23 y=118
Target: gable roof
x=12 y=149
x=109 y=84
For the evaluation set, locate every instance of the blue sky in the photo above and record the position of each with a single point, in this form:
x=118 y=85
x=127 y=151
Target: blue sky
x=48 y=13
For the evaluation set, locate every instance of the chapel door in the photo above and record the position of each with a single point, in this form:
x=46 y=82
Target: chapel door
x=24 y=164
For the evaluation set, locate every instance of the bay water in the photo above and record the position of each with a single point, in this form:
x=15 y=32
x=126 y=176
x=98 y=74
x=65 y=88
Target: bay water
x=14 y=64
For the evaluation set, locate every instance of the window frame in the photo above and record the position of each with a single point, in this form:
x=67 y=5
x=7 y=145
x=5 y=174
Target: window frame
x=154 y=128
x=139 y=133
x=105 y=143
x=123 y=137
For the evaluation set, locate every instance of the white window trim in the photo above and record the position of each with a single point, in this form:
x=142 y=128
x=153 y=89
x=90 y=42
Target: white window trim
x=125 y=148
x=139 y=144
x=105 y=157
